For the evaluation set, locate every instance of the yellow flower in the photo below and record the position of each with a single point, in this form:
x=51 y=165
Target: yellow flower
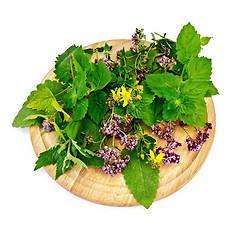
x=140 y=88
x=138 y=97
x=116 y=96
x=125 y=96
x=156 y=160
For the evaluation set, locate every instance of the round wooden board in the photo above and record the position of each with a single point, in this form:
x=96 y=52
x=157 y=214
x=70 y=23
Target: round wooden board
x=94 y=185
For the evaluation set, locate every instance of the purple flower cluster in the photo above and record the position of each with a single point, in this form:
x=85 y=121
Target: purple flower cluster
x=165 y=132
x=203 y=135
x=164 y=60
x=89 y=139
x=113 y=163
x=112 y=126
x=136 y=39
x=47 y=125
x=116 y=127
x=129 y=142
x=110 y=64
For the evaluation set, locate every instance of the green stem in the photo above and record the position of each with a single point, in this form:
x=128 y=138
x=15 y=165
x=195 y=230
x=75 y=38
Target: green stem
x=72 y=67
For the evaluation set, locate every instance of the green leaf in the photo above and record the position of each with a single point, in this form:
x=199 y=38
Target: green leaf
x=170 y=112
x=81 y=62
x=49 y=157
x=44 y=100
x=163 y=85
x=212 y=90
x=61 y=162
x=141 y=179
x=97 y=106
x=194 y=90
x=63 y=66
x=188 y=44
x=80 y=84
x=148 y=115
x=205 y=40
x=21 y=119
x=199 y=69
x=93 y=160
x=80 y=109
x=147 y=95
x=199 y=118
x=99 y=77
x=76 y=160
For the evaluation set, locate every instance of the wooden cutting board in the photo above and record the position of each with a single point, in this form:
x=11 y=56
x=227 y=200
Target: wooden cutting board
x=94 y=185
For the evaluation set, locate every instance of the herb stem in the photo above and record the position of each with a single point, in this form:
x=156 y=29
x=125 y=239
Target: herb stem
x=71 y=67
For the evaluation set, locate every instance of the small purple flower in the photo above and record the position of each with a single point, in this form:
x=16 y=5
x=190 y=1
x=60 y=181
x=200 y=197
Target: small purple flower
x=47 y=125
x=113 y=163
x=129 y=142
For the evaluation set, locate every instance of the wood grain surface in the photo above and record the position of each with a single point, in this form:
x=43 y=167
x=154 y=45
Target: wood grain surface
x=94 y=185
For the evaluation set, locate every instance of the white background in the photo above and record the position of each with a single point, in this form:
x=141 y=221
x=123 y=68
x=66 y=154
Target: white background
x=32 y=205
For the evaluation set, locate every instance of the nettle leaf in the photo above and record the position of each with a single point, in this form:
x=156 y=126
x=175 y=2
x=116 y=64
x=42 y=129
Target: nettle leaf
x=147 y=95
x=188 y=44
x=97 y=106
x=44 y=100
x=63 y=66
x=194 y=90
x=199 y=118
x=81 y=62
x=212 y=90
x=79 y=84
x=148 y=115
x=99 y=77
x=80 y=109
x=163 y=85
x=49 y=157
x=199 y=69
x=22 y=120
x=93 y=160
x=170 y=111
x=141 y=179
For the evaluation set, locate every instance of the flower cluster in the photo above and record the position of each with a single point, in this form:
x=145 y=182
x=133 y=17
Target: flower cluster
x=109 y=63
x=129 y=142
x=122 y=95
x=47 y=125
x=113 y=162
x=155 y=161
x=166 y=133
x=118 y=127
x=165 y=61
x=89 y=139
x=137 y=39
x=202 y=137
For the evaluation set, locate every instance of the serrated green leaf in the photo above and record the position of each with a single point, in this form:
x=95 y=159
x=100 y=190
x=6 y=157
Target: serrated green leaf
x=80 y=85
x=97 y=106
x=63 y=66
x=170 y=112
x=49 y=157
x=199 y=69
x=188 y=44
x=163 y=85
x=61 y=162
x=81 y=62
x=141 y=179
x=76 y=160
x=212 y=90
x=199 y=118
x=99 y=77
x=80 y=109
x=194 y=90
